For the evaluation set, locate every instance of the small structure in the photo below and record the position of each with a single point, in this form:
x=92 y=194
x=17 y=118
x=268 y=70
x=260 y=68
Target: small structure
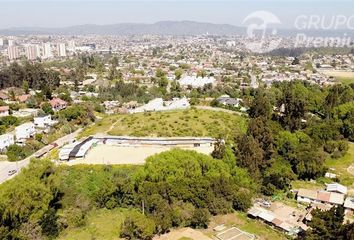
x=4 y=111
x=158 y=104
x=58 y=104
x=5 y=141
x=196 y=82
x=23 y=98
x=226 y=100
x=349 y=204
x=44 y=122
x=25 y=131
x=271 y=219
x=336 y=187
x=324 y=197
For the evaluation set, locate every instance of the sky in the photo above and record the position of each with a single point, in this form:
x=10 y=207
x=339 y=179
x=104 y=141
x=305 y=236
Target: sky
x=61 y=13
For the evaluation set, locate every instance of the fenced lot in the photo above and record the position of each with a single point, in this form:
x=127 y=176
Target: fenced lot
x=234 y=234
x=120 y=155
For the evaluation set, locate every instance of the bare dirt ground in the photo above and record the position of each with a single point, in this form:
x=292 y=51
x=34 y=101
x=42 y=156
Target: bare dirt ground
x=183 y=233
x=118 y=155
x=334 y=73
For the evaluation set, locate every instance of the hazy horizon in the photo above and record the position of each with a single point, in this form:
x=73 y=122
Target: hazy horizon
x=64 y=13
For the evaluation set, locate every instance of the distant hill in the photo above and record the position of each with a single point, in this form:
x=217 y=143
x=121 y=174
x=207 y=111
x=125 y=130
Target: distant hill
x=159 y=28
x=176 y=28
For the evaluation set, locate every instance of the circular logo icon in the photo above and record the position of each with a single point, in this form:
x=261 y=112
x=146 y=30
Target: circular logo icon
x=261 y=34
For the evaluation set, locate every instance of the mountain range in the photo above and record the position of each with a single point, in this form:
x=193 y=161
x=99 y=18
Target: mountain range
x=176 y=28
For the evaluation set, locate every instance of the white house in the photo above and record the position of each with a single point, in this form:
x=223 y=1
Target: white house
x=196 y=82
x=6 y=140
x=44 y=122
x=4 y=111
x=25 y=131
x=336 y=187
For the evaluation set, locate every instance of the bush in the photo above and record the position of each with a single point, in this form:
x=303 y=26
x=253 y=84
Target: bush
x=137 y=226
x=200 y=218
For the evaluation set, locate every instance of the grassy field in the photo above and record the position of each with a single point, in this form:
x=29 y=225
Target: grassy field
x=241 y=221
x=341 y=165
x=175 y=123
x=344 y=77
x=101 y=224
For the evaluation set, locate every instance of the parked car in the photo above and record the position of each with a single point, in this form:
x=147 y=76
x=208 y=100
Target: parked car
x=12 y=172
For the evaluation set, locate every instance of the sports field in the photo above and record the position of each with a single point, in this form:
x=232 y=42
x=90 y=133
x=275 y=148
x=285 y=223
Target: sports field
x=345 y=77
x=132 y=155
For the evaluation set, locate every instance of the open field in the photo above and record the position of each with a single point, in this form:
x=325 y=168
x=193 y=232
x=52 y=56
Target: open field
x=342 y=167
x=183 y=234
x=344 y=77
x=185 y=123
x=241 y=221
x=101 y=224
x=116 y=155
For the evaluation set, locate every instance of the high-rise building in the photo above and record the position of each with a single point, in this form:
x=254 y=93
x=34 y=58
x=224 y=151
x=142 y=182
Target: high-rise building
x=61 y=50
x=71 y=46
x=1 y=42
x=32 y=52
x=10 y=42
x=13 y=52
x=47 y=50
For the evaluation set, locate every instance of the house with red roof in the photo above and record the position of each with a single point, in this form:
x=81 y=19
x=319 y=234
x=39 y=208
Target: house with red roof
x=58 y=104
x=4 y=111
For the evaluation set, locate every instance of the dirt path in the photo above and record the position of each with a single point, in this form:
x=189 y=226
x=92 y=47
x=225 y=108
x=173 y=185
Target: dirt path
x=184 y=232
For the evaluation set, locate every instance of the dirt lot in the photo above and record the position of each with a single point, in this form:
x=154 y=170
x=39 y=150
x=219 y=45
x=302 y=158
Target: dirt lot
x=117 y=155
x=341 y=74
x=184 y=233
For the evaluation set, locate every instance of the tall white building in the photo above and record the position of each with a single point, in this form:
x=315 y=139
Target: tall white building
x=32 y=52
x=10 y=42
x=13 y=52
x=47 y=50
x=1 y=42
x=71 y=46
x=61 y=50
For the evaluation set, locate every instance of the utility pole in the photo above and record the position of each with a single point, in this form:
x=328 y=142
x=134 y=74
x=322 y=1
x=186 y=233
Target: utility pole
x=143 y=206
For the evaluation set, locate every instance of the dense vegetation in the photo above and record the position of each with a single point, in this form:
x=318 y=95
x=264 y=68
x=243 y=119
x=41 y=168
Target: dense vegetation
x=45 y=199
x=35 y=76
x=291 y=142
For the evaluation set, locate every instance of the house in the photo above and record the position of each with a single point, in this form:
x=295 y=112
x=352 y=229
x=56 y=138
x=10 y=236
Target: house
x=3 y=96
x=226 y=100
x=196 y=82
x=23 y=98
x=44 y=122
x=324 y=197
x=58 y=104
x=25 y=131
x=349 y=204
x=336 y=187
x=4 y=111
x=5 y=141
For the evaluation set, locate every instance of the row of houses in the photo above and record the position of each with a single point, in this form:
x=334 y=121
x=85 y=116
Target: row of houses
x=26 y=131
x=334 y=195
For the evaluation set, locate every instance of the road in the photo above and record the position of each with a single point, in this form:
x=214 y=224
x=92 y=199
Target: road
x=6 y=166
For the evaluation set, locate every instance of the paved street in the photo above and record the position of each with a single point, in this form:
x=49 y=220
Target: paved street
x=6 y=166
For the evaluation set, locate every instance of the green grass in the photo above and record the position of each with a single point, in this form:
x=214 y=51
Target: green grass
x=101 y=224
x=345 y=80
x=241 y=221
x=341 y=165
x=168 y=124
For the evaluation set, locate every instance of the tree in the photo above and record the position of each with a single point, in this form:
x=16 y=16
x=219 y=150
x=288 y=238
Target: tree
x=261 y=106
x=219 y=149
x=47 y=108
x=328 y=225
x=137 y=226
x=200 y=218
